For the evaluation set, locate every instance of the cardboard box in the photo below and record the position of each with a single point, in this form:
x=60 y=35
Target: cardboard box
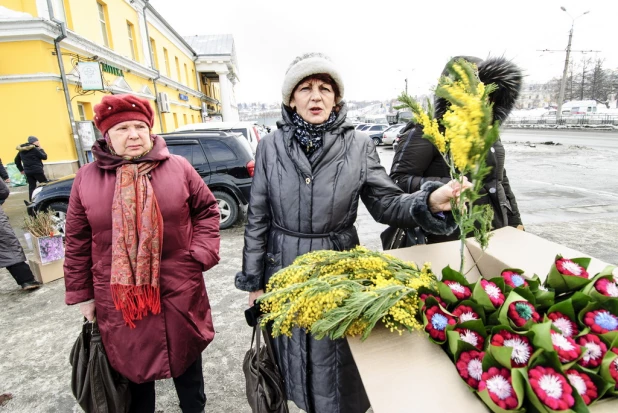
x=48 y=249
x=408 y=373
x=48 y=272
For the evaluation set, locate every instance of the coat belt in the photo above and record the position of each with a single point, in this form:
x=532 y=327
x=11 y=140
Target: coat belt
x=331 y=235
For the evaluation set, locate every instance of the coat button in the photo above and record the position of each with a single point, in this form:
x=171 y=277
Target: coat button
x=492 y=150
x=492 y=190
x=307 y=181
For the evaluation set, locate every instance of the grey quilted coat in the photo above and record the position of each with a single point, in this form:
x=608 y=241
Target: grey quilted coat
x=11 y=251
x=299 y=206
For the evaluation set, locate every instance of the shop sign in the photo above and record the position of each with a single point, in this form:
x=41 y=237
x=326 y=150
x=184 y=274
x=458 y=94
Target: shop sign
x=90 y=76
x=183 y=97
x=111 y=69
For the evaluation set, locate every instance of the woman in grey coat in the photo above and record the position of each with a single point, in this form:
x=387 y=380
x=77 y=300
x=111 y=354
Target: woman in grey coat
x=12 y=255
x=309 y=176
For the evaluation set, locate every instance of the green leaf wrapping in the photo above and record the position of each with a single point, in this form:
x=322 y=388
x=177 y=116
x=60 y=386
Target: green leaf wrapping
x=516 y=382
x=480 y=296
x=591 y=290
x=503 y=354
x=429 y=302
x=609 y=358
x=548 y=359
x=449 y=274
x=453 y=338
x=566 y=283
x=611 y=306
x=600 y=383
x=503 y=314
x=542 y=339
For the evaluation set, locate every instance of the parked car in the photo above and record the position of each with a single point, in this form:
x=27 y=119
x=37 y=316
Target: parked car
x=224 y=160
x=375 y=132
x=249 y=130
x=400 y=136
x=389 y=135
x=360 y=126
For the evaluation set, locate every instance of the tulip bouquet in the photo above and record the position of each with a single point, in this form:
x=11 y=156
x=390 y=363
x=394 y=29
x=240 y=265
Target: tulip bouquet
x=522 y=345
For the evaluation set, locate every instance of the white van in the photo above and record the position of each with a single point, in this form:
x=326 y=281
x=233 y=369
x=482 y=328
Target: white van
x=248 y=129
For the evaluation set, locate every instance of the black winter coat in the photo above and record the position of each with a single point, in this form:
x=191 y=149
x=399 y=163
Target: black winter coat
x=11 y=251
x=299 y=206
x=3 y=173
x=30 y=159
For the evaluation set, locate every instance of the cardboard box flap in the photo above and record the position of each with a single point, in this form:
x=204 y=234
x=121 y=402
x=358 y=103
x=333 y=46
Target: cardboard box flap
x=408 y=373
x=528 y=252
x=439 y=255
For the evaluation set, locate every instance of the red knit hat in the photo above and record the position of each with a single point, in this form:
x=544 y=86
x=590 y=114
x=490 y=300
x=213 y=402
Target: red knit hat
x=115 y=109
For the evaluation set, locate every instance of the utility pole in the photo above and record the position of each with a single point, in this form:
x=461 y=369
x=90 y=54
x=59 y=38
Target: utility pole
x=406 y=85
x=564 y=77
x=566 y=64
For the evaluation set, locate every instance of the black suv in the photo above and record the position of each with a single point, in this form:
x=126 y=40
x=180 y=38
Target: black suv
x=224 y=160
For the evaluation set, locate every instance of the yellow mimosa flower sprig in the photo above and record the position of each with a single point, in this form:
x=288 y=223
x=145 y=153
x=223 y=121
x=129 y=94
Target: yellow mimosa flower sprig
x=339 y=294
x=463 y=136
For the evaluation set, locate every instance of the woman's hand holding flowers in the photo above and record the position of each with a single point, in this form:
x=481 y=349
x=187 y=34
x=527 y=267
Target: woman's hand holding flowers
x=440 y=199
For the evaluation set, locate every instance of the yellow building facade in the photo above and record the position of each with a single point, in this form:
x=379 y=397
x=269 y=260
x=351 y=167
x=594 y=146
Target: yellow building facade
x=137 y=51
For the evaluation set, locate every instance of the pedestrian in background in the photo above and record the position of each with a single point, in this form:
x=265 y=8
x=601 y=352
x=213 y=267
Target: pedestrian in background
x=5 y=177
x=417 y=160
x=29 y=161
x=12 y=255
x=309 y=176
x=3 y=173
x=139 y=268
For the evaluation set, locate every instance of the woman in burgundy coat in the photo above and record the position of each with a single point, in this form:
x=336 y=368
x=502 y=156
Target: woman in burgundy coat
x=141 y=228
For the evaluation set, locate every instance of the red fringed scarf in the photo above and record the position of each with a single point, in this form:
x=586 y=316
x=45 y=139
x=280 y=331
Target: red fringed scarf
x=137 y=237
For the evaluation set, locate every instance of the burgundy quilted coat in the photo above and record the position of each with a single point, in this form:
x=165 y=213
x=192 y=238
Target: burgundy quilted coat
x=162 y=345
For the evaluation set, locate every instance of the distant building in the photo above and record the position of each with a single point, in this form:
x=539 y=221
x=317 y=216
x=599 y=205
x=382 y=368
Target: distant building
x=106 y=46
x=216 y=62
x=534 y=95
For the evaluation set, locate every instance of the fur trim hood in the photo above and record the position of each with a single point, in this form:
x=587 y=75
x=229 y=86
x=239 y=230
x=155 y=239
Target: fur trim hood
x=24 y=147
x=505 y=74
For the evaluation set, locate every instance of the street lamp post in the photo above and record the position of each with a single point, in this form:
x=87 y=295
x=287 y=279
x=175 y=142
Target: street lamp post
x=566 y=63
x=406 y=78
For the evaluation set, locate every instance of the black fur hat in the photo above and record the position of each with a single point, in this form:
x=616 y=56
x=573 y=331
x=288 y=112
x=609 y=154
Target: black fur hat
x=506 y=75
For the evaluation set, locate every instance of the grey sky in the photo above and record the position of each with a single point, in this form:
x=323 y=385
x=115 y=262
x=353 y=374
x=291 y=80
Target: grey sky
x=377 y=44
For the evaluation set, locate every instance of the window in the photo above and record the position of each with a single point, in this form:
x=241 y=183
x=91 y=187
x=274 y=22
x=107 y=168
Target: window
x=192 y=119
x=175 y=121
x=187 y=80
x=166 y=61
x=192 y=153
x=103 y=22
x=192 y=79
x=81 y=111
x=84 y=110
x=153 y=50
x=185 y=151
x=184 y=117
x=177 y=69
x=219 y=151
x=131 y=36
x=198 y=155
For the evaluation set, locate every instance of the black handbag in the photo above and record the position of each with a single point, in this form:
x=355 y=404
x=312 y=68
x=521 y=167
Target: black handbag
x=97 y=387
x=394 y=238
x=264 y=385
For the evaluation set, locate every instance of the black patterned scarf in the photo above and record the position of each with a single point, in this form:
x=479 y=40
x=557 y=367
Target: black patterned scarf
x=311 y=136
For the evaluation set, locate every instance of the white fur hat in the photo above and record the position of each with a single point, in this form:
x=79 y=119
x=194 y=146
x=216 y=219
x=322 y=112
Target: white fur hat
x=305 y=65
